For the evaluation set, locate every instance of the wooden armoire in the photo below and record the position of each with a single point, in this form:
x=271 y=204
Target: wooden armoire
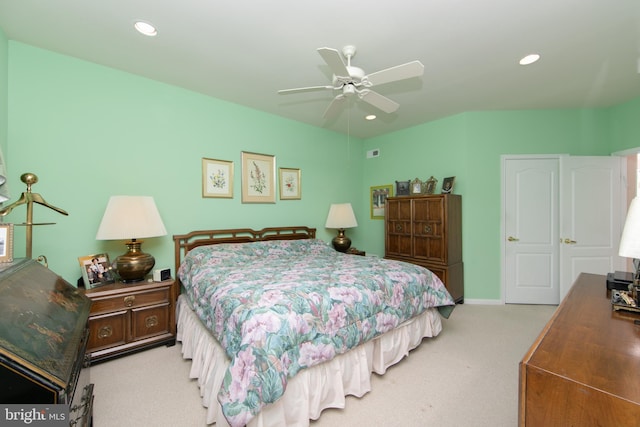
x=427 y=230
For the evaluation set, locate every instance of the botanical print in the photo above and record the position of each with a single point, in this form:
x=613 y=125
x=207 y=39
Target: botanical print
x=290 y=184
x=258 y=178
x=217 y=178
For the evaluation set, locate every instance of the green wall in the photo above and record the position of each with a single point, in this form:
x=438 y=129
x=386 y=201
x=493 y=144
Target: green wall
x=90 y=132
x=625 y=126
x=469 y=146
x=4 y=84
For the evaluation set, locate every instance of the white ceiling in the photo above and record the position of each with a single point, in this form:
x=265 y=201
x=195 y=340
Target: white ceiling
x=244 y=51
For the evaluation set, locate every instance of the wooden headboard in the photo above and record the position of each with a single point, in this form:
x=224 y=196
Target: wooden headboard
x=185 y=242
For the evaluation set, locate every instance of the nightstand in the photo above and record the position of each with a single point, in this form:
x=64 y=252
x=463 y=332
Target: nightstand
x=129 y=317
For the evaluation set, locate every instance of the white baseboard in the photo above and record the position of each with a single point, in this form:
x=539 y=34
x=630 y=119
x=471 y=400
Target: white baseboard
x=483 y=301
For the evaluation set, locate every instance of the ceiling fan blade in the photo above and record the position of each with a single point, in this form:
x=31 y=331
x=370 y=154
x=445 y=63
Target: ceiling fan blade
x=399 y=72
x=334 y=107
x=334 y=61
x=380 y=102
x=303 y=89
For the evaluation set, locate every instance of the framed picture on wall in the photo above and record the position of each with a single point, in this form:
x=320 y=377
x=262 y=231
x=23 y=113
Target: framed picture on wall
x=217 y=178
x=6 y=242
x=290 y=184
x=258 y=178
x=96 y=270
x=378 y=199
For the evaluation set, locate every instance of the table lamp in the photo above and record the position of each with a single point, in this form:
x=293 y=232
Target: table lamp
x=630 y=240
x=131 y=217
x=341 y=216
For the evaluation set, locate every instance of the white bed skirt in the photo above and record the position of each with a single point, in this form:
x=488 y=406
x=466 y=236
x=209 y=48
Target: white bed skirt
x=312 y=390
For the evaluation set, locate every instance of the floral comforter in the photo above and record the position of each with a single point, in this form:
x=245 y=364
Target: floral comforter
x=281 y=306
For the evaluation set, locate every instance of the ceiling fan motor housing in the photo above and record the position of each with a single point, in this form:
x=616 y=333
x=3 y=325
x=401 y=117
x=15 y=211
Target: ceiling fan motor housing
x=355 y=76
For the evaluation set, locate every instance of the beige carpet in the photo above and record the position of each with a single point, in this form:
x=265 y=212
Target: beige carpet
x=467 y=376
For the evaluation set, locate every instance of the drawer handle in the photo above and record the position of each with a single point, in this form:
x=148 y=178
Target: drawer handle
x=398 y=227
x=105 y=332
x=151 y=321
x=427 y=229
x=128 y=301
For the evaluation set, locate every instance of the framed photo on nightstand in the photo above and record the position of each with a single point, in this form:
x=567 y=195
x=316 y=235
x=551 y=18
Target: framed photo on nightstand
x=96 y=270
x=6 y=242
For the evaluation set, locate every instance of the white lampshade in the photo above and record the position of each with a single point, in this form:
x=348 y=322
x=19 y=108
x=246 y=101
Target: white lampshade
x=130 y=217
x=341 y=216
x=630 y=240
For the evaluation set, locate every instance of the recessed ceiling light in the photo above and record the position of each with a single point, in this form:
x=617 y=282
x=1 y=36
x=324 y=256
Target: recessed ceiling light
x=145 y=28
x=370 y=117
x=529 y=59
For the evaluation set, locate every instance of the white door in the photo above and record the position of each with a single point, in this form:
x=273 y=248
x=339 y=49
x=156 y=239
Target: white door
x=530 y=230
x=590 y=242
x=562 y=215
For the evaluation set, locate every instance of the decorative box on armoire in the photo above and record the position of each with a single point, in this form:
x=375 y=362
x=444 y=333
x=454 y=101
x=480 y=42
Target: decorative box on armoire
x=43 y=336
x=427 y=230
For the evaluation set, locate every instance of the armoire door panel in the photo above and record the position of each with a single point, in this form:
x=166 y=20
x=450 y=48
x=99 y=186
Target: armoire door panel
x=427 y=230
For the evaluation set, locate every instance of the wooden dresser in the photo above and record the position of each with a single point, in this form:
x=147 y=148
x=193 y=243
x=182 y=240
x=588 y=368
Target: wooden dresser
x=427 y=230
x=584 y=368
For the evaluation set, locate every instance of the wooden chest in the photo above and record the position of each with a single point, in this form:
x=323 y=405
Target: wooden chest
x=43 y=336
x=427 y=230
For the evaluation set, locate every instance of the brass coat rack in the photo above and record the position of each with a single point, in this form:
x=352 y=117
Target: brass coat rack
x=29 y=199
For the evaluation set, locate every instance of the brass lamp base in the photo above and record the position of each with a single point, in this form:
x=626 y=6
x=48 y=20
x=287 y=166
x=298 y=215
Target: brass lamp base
x=341 y=243
x=135 y=264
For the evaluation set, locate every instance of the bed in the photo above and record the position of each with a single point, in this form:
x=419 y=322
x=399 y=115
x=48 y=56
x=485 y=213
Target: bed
x=279 y=326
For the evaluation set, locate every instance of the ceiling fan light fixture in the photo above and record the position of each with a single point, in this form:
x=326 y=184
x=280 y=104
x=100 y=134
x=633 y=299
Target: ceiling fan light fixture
x=529 y=59
x=145 y=28
x=348 y=89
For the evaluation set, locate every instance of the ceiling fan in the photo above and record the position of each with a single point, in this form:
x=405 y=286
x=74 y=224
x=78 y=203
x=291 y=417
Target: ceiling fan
x=350 y=81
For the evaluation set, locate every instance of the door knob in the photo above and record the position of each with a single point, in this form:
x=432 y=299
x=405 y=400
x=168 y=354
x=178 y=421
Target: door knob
x=512 y=239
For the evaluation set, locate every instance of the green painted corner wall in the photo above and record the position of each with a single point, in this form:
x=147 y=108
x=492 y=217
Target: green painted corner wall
x=469 y=146
x=90 y=132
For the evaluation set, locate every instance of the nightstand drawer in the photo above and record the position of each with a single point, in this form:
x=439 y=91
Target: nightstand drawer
x=108 y=330
x=130 y=300
x=149 y=321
